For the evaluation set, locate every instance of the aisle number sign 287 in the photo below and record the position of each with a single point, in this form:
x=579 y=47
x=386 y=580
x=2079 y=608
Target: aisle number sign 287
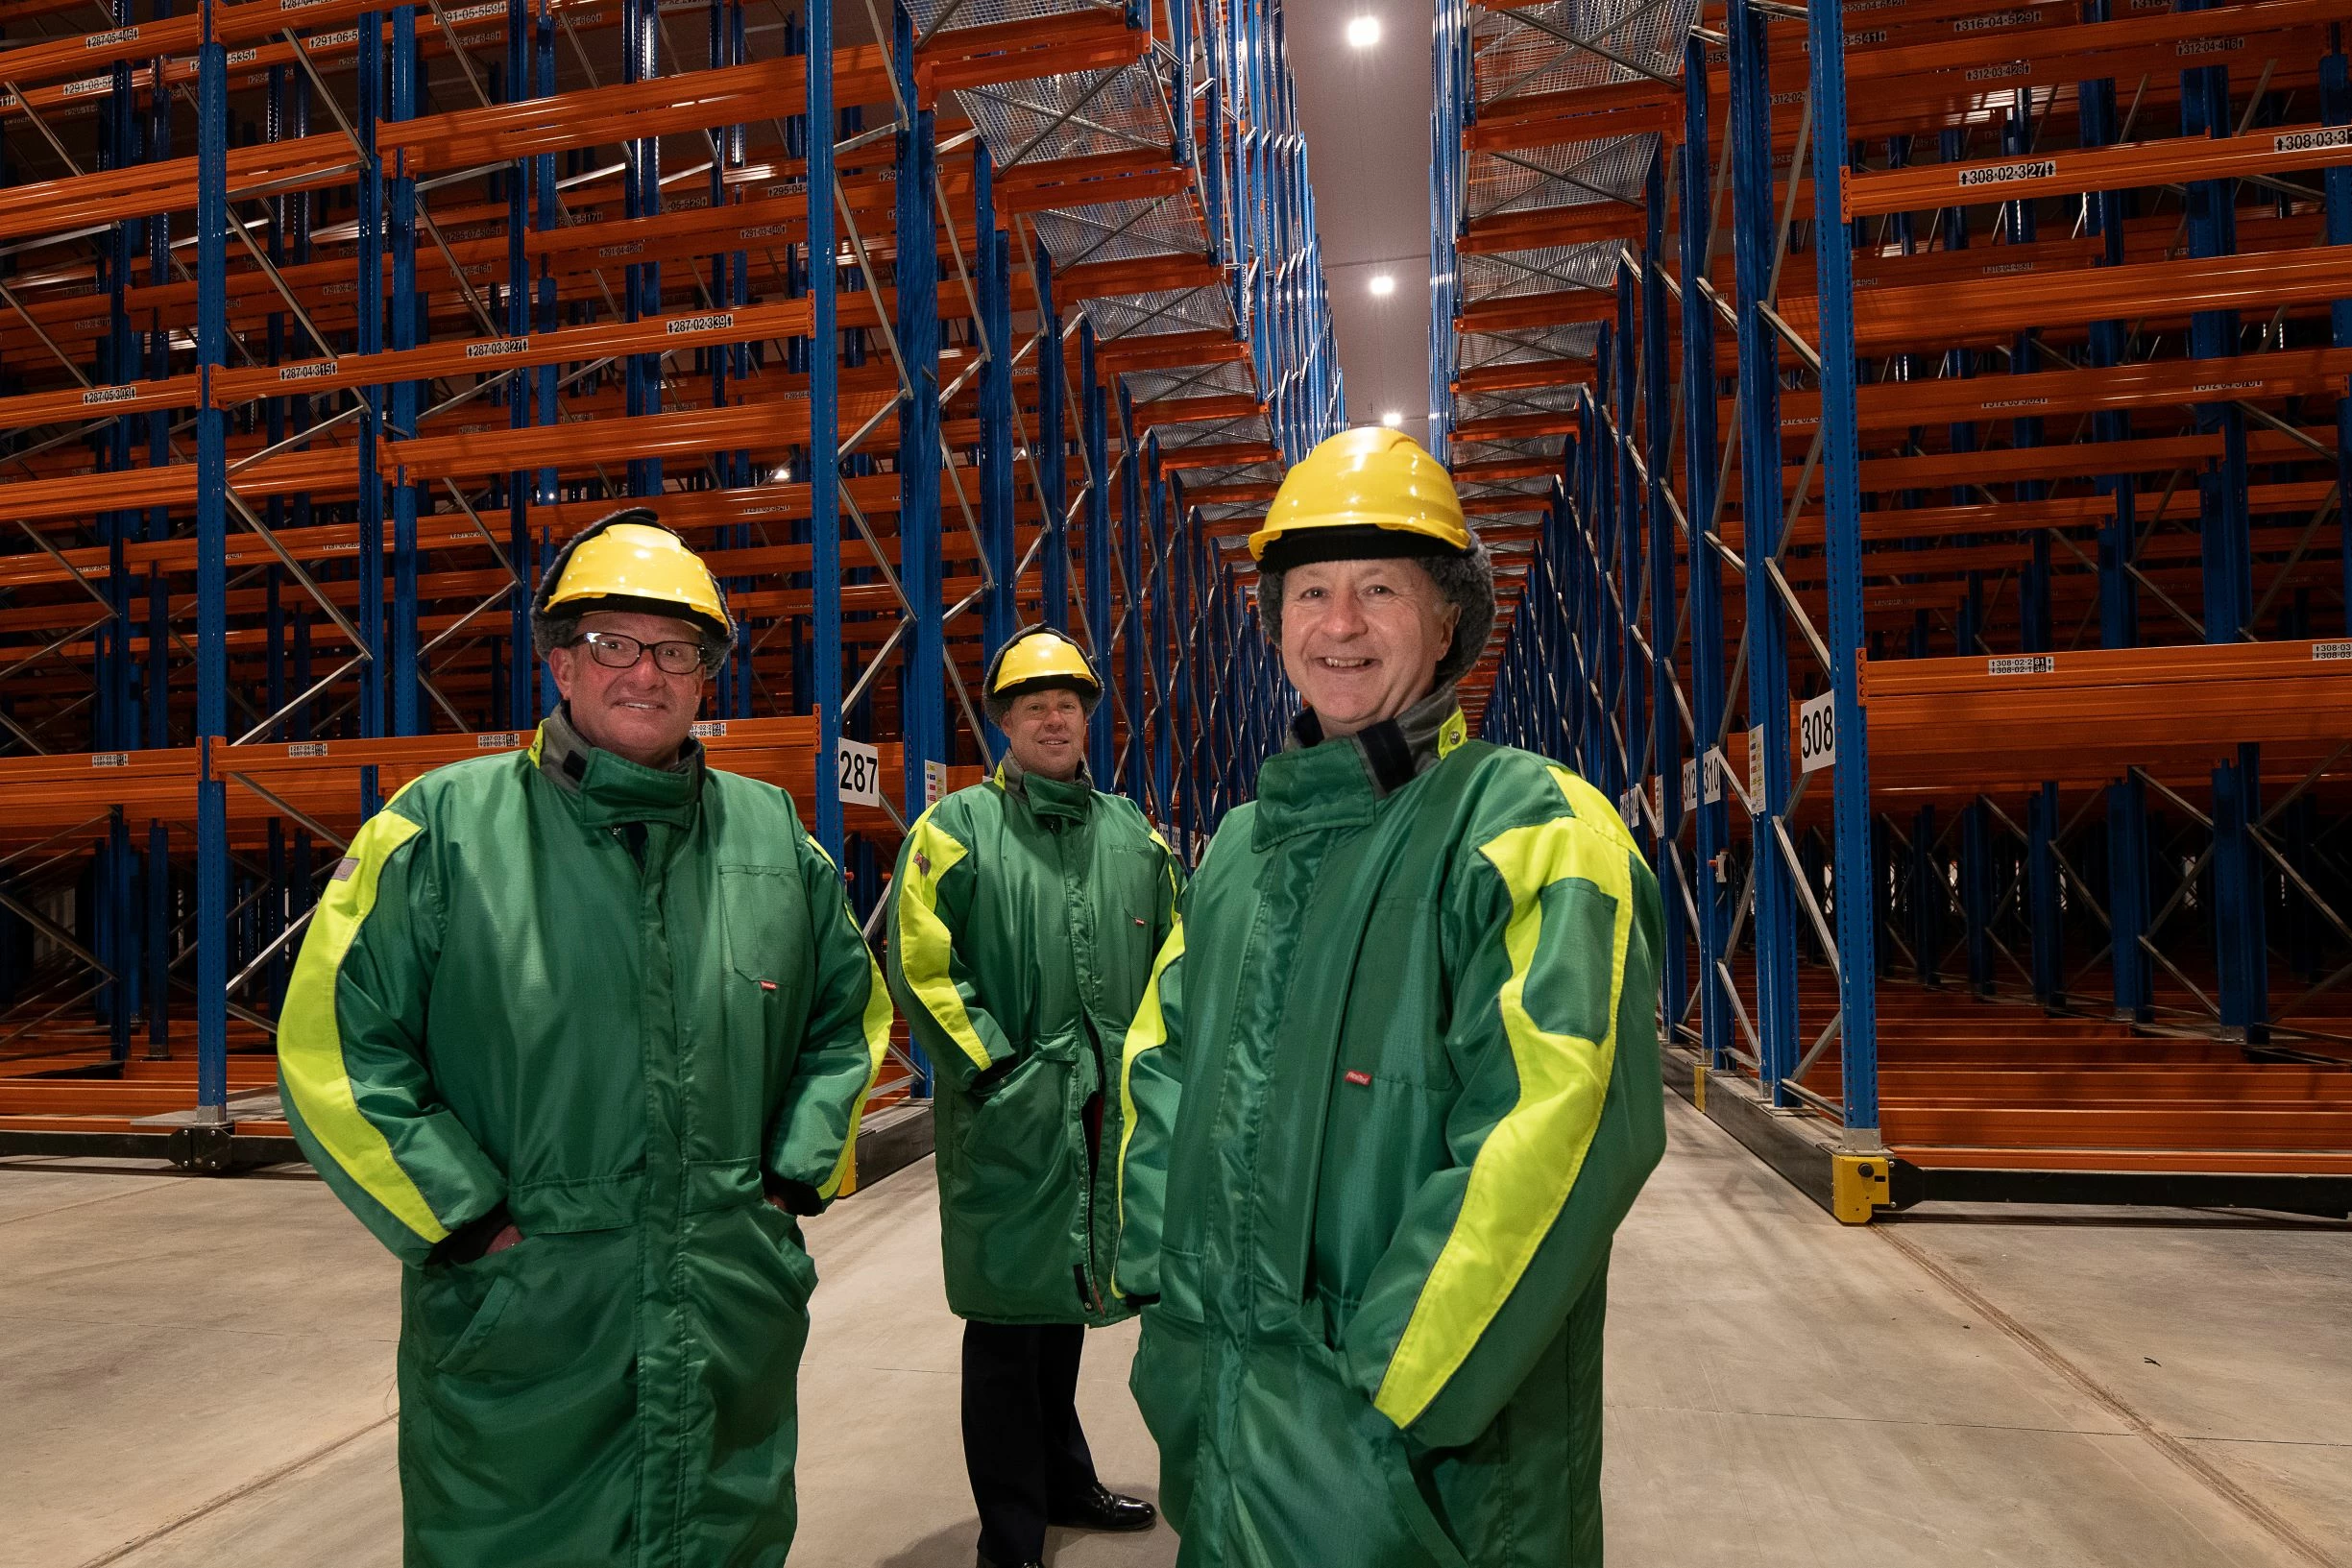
x=859 y=773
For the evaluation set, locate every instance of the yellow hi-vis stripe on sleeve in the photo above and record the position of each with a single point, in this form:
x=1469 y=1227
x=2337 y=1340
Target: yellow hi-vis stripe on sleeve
x=877 y=1023
x=1147 y=1033
x=1521 y=1176
x=1592 y=809
x=310 y=1037
x=925 y=945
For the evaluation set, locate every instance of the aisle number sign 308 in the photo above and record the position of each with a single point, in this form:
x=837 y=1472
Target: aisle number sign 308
x=1817 y=732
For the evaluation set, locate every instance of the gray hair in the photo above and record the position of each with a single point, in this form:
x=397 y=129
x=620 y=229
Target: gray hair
x=1466 y=582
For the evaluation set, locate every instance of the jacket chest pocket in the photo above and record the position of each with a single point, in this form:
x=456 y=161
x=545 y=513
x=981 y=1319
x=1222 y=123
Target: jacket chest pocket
x=1122 y=899
x=1398 y=1007
x=1391 y=1086
x=766 y=917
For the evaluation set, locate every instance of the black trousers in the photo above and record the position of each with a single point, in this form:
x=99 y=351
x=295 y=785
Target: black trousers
x=1022 y=1445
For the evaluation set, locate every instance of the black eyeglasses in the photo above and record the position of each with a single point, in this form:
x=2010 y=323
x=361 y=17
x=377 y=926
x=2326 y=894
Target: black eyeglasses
x=615 y=651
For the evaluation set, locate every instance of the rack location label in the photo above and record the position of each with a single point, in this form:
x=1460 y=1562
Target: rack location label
x=860 y=772
x=1817 y=732
x=2312 y=142
x=2002 y=173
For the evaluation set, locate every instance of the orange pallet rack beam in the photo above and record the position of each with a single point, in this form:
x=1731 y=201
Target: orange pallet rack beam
x=2272 y=150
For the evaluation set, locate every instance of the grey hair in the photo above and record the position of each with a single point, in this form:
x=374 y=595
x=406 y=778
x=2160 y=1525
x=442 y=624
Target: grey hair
x=1464 y=581
x=551 y=632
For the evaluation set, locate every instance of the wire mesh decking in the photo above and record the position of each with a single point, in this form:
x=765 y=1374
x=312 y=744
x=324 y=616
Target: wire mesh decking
x=1994 y=357
x=321 y=326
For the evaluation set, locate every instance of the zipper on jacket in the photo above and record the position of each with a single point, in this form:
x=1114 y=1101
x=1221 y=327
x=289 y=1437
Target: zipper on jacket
x=1088 y=1291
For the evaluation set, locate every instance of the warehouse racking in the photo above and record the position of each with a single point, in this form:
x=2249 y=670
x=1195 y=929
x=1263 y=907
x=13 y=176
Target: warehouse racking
x=2033 y=380
x=290 y=425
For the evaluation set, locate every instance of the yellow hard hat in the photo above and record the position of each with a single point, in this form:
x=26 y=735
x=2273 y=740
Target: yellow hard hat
x=1365 y=493
x=630 y=558
x=1033 y=659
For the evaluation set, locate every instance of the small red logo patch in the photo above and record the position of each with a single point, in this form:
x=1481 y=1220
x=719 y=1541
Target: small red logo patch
x=1358 y=1075
x=768 y=986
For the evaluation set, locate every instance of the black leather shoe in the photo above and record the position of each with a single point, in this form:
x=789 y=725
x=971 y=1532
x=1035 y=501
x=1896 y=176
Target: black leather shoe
x=1101 y=1508
x=986 y=1561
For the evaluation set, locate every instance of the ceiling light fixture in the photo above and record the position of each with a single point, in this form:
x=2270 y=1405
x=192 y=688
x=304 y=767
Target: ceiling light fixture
x=1392 y=419
x=1382 y=285
x=1363 y=31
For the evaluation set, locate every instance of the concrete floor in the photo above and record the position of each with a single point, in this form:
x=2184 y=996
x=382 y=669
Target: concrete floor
x=199 y=1372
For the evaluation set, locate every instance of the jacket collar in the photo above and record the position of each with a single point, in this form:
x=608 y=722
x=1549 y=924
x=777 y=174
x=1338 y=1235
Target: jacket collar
x=610 y=788
x=1068 y=799
x=1314 y=785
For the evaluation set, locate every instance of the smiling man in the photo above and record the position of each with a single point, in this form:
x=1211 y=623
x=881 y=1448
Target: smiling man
x=1394 y=1087
x=576 y=1031
x=1024 y=919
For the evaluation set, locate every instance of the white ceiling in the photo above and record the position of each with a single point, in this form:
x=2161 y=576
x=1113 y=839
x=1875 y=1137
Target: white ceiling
x=1365 y=113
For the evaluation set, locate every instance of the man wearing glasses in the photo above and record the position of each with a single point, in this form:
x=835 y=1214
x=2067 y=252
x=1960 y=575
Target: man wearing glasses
x=576 y=1032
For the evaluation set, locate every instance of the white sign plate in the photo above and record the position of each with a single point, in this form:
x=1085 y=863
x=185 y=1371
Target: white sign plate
x=1756 y=770
x=861 y=773
x=935 y=782
x=1817 y=732
x=1716 y=764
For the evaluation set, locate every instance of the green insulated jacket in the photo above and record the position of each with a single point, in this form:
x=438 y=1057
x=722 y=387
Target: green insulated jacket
x=1395 y=1086
x=618 y=1003
x=1025 y=914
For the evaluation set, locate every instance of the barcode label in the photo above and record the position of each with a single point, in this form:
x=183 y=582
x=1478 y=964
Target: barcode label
x=2331 y=650
x=1998 y=19
x=306 y=748
x=2312 y=142
x=2002 y=173
x=110 y=758
x=710 y=729
x=498 y=741
x=2040 y=663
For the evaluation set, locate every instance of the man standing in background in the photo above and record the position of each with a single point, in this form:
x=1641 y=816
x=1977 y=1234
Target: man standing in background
x=1025 y=914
